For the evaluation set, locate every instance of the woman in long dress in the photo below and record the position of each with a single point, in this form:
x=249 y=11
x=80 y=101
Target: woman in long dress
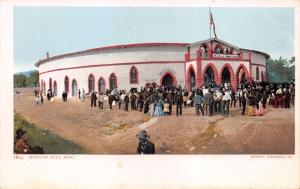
x=158 y=108
x=259 y=111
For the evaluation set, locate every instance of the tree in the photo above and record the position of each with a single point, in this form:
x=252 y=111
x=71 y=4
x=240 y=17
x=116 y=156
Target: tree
x=19 y=80
x=281 y=70
x=33 y=79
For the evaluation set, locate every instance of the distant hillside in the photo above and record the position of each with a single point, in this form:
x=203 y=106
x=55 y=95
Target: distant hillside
x=26 y=73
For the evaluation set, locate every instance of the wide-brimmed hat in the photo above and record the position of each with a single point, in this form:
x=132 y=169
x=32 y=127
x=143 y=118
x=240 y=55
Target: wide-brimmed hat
x=143 y=135
x=20 y=133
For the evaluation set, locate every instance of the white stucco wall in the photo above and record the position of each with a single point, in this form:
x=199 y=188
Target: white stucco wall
x=261 y=68
x=127 y=55
x=151 y=63
x=258 y=58
x=147 y=73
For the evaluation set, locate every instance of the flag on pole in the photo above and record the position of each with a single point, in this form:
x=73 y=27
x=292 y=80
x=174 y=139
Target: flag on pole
x=213 y=24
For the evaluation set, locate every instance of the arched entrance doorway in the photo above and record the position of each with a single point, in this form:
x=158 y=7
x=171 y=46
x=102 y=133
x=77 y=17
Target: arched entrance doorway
x=225 y=75
x=242 y=75
x=167 y=81
x=74 y=87
x=209 y=76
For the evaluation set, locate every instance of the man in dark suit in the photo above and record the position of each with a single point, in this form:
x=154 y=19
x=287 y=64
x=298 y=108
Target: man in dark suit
x=145 y=146
x=179 y=101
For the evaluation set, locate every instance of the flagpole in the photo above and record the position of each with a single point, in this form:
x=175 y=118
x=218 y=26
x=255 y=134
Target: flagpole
x=210 y=20
x=209 y=16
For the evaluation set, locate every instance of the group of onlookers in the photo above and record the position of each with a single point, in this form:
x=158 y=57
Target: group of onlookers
x=208 y=100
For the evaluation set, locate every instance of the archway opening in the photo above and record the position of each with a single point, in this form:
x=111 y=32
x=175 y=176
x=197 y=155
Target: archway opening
x=209 y=76
x=112 y=81
x=66 y=84
x=101 y=85
x=192 y=79
x=243 y=78
x=168 y=81
x=74 y=87
x=226 y=75
x=241 y=75
x=91 y=83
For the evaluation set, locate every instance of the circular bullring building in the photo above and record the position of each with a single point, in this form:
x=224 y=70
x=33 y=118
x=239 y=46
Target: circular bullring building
x=149 y=64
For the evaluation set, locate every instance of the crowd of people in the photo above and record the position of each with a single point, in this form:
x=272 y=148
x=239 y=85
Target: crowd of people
x=252 y=98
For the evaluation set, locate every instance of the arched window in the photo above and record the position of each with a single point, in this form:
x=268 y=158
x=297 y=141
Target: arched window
x=133 y=75
x=218 y=49
x=257 y=74
x=204 y=50
x=101 y=85
x=262 y=76
x=91 y=83
x=66 y=84
x=50 y=83
x=74 y=87
x=112 y=81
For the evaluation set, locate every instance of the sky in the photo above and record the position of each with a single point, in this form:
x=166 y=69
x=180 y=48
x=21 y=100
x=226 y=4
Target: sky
x=59 y=30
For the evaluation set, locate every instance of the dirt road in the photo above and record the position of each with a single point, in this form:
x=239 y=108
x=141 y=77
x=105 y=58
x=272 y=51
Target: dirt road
x=114 y=132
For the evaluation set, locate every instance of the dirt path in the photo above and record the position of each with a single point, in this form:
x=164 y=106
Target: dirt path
x=113 y=132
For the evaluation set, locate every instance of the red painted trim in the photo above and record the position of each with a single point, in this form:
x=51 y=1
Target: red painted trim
x=91 y=75
x=137 y=75
x=68 y=84
x=110 y=78
x=222 y=59
x=99 y=85
x=172 y=75
x=112 y=47
x=215 y=71
x=188 y=77
x=72 y=87
x=241 y=66
x=114 y=64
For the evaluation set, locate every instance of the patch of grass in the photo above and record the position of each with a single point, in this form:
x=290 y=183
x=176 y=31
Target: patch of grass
x=51 y=143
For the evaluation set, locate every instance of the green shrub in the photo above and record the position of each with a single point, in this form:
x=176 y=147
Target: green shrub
x=51 y=143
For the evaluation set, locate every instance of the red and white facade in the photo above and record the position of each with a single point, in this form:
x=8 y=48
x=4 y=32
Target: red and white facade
x=136 y=65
